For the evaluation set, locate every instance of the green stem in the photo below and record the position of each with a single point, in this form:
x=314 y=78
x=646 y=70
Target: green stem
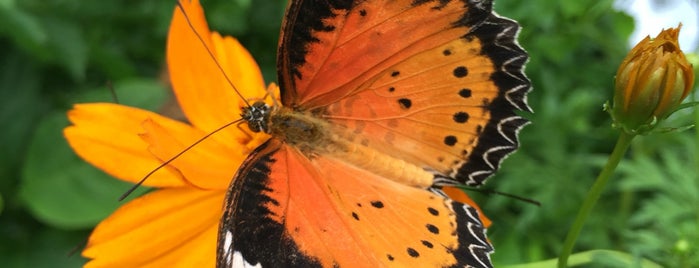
x=593 y=195
x=587 y=258
x=696 y=132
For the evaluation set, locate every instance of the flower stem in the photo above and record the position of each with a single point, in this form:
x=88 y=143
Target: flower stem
x=696 y=131
x=593 y=195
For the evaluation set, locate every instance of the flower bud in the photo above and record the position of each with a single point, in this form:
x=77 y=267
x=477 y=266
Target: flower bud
x=651 y=83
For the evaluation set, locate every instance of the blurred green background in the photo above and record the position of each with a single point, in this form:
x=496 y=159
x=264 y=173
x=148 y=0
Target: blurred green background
x=57 y=52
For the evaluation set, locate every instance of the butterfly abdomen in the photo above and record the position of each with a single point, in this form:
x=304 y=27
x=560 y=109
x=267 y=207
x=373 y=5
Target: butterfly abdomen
x=314 y=136
x=299 y=129
x=382 y=164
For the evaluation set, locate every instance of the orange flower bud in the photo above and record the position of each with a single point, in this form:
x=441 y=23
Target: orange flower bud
x=651 y=83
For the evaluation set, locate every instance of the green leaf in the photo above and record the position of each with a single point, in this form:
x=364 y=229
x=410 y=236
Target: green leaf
x=24 y=28
x=45 y=247
x=593 y=258
x=59 y=188
x=67 y=45
x=144 y=93
x=19 y=113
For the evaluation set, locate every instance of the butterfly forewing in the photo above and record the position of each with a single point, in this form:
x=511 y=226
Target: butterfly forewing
x=458 y=99
x=333 y=47
x=451 y=72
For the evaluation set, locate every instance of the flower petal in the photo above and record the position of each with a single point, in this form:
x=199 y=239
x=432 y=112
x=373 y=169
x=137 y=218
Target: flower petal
x=206 y=97
x=207 y=165
x=106 y=136
x=459 y=195
x=162 y=228
x=240 y=66
x=199 y=251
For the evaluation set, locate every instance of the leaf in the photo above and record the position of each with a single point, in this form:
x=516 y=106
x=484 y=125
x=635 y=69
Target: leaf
x=67 y=45
x=669 y=185
x=19 y=113
x=143 y=93
x=594 y=258
x=45 y=247
x=59 y=188
x=24 y=28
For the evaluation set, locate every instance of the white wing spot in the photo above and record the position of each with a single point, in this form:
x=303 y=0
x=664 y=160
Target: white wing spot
x=239 y=261
x=228 y=241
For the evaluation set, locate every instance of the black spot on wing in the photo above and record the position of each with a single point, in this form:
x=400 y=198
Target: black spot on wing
x=377 y=204
x=433 y=229
x=413 y=253
x=460 y=72
x=450 y=140
x=405 y=103
x=465 y=93
x=460 y=117
x=433 y=211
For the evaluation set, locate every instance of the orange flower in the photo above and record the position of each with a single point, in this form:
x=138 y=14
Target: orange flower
x=177 y=223
x=651 y=82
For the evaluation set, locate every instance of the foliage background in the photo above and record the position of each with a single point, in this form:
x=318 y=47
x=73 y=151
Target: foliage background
x=56 y=53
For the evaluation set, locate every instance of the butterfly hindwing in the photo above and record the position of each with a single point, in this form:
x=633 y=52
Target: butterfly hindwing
x=250 y=232
x=286 y=210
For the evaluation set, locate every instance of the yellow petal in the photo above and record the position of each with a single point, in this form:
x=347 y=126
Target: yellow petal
x=199 y=251
x=207 y=165
x=459 y=195
x=206 y=97
x=106 y=136
x=157 y=229
x=240 y=66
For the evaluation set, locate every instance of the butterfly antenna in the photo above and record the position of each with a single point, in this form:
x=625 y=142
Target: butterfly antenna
x=274 y=98
x=489 y=192
x=110 y=86
x=77 y=248
x=211 y=54
x=139 y=183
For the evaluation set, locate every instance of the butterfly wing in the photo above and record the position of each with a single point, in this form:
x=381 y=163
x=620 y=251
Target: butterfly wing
x=290 y=211
x=435 y=83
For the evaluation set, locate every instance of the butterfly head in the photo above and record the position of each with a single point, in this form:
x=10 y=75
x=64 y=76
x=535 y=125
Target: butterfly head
x=257 y=116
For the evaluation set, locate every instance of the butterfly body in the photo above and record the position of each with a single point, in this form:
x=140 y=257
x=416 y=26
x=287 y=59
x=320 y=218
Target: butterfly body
x=314 y=136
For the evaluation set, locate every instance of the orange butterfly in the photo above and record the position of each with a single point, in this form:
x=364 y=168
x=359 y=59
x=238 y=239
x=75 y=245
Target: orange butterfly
x=386 y=103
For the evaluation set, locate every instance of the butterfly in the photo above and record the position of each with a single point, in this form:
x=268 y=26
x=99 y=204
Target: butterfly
x=385 y=104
